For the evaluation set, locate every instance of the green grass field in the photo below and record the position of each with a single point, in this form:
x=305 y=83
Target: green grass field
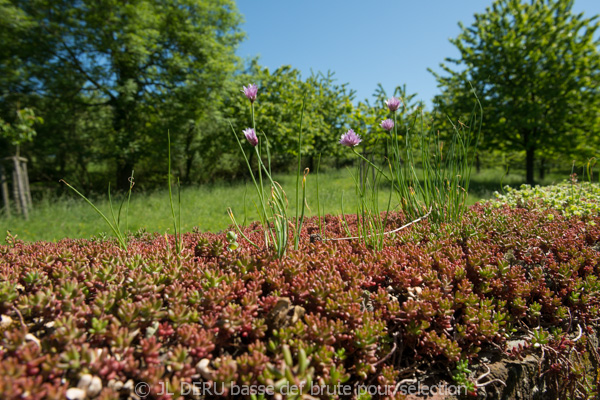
x=206 y=206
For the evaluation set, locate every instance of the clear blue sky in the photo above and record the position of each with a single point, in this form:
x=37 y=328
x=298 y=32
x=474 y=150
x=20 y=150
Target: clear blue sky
x=365 y=42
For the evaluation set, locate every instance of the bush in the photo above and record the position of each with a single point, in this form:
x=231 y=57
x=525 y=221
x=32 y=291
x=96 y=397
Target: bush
x=332 y=313
x=569 y=198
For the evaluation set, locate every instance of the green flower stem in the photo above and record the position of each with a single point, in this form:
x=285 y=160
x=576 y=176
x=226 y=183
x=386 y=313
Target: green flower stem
x=131 y=183
x=298 y=221
x=257 y=150
x=177 y=229
x=373 y=165
x=263 y=217
x=318 y=202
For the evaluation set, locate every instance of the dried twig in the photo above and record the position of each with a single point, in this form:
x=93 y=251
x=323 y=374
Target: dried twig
x=578 y=335
x=16 y=310
x=385 y=233
x=388 y=355
x=405 y=381
x=479 y=384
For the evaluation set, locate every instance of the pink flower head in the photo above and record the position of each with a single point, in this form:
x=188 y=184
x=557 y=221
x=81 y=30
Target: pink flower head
x=250 y=92
x=350 y=139
x=393 y=104
x=387 y=124
x=251 y=136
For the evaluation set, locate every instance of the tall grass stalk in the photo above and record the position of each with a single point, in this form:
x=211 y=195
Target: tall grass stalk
x=237 y=227
x=446 y=168
x=343 y=220
x=115 y=225
x=318 y=200
x=176 y=225
x=442 y=189
x=298 y=221
x=131 y=183
x=371 y=226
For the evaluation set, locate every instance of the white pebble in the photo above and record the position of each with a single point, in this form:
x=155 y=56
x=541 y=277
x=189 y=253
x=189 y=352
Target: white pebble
x=75 y=394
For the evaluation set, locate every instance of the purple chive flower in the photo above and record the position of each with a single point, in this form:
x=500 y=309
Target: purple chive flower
x=350 y=139
x=251 y=136
x=393 y=104
x=387 y=124
x=250 y=92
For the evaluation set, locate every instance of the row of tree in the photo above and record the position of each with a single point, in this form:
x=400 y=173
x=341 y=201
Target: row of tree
x=110 y=78
x=535 y=65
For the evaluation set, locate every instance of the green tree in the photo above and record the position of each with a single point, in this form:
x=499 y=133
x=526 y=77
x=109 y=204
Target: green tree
x=328 y=109
x=536 y=68
x=138 y=60
x=21 y=130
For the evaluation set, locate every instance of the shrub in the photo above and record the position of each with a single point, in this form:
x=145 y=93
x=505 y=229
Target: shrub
x=571 y=198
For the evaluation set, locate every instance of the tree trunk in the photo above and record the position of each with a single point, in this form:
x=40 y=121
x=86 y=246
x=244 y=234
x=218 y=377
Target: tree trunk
x=124 y=130
x=15 y=187
x=124 y=121
x=125 y=160
x=189 y=161
x=311 y=162
x=124 y=170
x=189 y=153
x=530 y=164
x=542 y=169
x=529 y=145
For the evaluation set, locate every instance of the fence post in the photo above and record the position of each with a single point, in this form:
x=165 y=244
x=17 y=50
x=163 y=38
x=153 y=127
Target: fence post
x=20 y=196
x=15 y=190
x=25 y=178
x=4 y=190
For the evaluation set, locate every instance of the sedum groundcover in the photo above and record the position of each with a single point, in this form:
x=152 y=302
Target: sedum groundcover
x=85 y=318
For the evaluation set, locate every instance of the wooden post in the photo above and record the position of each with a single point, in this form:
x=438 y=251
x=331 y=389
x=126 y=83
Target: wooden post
x=22 y=198
x=15 y=188
x=4 y=190
x=25 y=178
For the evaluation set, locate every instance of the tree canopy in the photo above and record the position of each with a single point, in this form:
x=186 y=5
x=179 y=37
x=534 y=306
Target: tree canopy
x=536 y=68
x=110 y=78
x=123 y=67
x=281 y=92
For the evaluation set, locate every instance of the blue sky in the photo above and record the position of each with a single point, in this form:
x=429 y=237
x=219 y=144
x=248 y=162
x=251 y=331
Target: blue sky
x=365 y=42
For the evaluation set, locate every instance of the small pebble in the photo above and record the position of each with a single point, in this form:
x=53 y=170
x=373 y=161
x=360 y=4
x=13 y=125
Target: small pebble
x=128 y=385
x=5 y=321
x=115 y=385
x=84 y=381
x=95 y=387
x=75 y=394
x=31 y=338
x=204 y=369
x=513 y=345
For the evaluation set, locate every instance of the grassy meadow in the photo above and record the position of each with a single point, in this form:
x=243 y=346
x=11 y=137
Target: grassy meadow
x=206 y=206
